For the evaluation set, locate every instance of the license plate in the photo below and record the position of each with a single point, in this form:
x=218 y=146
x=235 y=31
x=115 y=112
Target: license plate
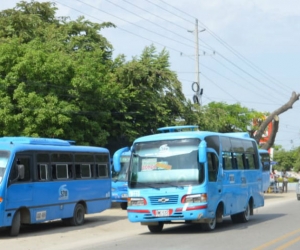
x=124 y=195
x=162 y=213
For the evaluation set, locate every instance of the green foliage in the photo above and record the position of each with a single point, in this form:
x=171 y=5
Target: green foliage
x=58 y=79
x=287 y=160
x=54 y=75
x=222 y=117
x=152 y=96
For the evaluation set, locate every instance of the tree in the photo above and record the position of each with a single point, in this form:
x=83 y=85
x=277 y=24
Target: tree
x=222 y=117
x=54 y=75
x=151 y=95
x=285 y=159
x=274 y=118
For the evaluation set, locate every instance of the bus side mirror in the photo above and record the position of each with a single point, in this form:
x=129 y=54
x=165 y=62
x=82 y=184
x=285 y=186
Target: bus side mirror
x=117 y=157
x=202 y=152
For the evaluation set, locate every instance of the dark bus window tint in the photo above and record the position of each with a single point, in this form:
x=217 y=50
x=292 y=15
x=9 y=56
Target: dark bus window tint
x=83 y=171
x=43 y=157
x=226 y=144
x=250 y=159
x=237 y=145
x=249 y=147
x=61 y=157
x=61 y=171
x=227 y=161
x=265 y=159
x=86 y=171
x=213 y=164
x=102 y=158
x=84 y=158
x=213 y=142
x=102 y=170
x=239 y=161
x=43 y=172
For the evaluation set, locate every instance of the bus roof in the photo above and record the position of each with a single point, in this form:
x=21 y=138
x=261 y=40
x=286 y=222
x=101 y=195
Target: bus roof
x=34 y=143
x=178 y=128
x=189 y=134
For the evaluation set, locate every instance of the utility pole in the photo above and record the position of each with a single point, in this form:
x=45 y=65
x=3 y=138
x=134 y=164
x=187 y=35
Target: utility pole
x=196 y=85
x=197 y=60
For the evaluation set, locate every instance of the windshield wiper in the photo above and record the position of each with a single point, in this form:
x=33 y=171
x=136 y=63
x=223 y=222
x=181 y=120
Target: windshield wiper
x=147 y=185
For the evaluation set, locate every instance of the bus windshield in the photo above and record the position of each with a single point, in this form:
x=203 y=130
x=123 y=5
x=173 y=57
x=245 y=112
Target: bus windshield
x=122 y=175
x=165 y=163
x=3 y=163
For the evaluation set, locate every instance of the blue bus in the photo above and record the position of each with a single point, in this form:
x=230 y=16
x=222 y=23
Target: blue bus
x=193 y=177
x=266 y=168
x=45 y=179
x=119 y=181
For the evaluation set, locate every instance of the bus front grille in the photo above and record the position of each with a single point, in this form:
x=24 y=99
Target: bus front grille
x=164 y=200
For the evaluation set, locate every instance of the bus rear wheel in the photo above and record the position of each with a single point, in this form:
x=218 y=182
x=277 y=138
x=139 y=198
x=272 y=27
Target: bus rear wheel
x=78 y=216
x=245 y=216
x=241 y=217
x=16 y=224
x=157 y=228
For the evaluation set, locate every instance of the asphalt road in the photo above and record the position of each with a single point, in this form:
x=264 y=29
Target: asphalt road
x=111 y=228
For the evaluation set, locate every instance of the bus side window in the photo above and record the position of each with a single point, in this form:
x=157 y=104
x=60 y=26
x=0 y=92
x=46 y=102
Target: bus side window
x=43 y=174
x=26 y=168
x=227 y=160
x=213 y=164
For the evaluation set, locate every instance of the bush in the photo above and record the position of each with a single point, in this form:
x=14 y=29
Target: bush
x=290 y=179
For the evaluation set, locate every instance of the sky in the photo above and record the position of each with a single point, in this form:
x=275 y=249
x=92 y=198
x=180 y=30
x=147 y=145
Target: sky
x=249 y=50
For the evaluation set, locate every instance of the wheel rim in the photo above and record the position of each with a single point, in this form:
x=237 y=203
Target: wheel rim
x=247 y=213
x=212 y=223
x=79 y=215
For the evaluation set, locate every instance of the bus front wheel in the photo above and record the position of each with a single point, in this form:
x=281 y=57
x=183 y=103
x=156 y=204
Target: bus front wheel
x=123 y=205
x=16 y=224
x=78 y=215
x=157 y=228
x=210 y=226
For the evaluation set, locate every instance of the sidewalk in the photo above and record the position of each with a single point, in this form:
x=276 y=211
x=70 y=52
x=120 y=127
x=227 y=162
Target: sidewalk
x=278 y=197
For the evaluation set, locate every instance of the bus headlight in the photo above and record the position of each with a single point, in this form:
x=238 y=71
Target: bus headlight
x=136 y=201
x=194 y=198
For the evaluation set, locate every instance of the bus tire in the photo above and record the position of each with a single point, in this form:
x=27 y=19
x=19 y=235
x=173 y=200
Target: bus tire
x=123 y=205
x=209 y=226
x=245 y=216
x=157 y=228
x=78 y=215
x=16 y=224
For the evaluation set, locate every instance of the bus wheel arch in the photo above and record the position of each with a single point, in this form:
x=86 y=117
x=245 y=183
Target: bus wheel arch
x=15 y=224
x=21 y=216
x=220 y=213
x=245 y=216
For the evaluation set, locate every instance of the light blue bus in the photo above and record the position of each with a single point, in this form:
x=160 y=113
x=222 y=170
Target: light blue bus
x=193 y=177
x=119 y=185
x=266 y=168
x=44 y=179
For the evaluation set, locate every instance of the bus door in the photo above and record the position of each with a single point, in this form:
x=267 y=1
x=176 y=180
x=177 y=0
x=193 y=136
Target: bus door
x=214 y=179
x=20 y=185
